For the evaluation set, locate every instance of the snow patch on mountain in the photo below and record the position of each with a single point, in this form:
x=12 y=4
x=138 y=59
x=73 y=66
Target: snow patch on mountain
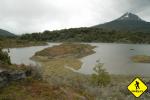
x=130 y=16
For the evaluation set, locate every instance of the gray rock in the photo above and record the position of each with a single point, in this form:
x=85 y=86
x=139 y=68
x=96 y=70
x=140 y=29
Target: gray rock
x=3 y=78
x=8 y=76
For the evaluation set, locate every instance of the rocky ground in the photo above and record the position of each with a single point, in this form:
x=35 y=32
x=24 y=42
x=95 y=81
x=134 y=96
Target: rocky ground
x=13 y=73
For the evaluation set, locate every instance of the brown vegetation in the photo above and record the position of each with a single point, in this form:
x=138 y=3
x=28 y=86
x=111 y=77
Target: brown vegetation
x=31 y=89
x=15 y=43
x=141 y=59
x=67 y=50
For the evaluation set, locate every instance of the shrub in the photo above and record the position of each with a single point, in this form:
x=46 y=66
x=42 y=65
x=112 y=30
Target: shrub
x=100 y=78
x=4 y=57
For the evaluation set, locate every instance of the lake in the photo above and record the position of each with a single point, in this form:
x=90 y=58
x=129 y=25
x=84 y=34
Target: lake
x=23 y=55
x=116 y=58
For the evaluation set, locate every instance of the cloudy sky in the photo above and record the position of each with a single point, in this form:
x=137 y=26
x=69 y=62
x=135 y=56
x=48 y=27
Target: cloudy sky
x=23 y=16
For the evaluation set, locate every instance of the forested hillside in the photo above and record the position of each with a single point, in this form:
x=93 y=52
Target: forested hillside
x=88 y=35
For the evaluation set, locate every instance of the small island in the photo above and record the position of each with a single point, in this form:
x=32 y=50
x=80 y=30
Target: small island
x=141 y=59
x=66 y=54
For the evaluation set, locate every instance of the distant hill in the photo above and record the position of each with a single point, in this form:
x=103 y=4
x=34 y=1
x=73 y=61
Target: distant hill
x=127 y=22
x=5 y=33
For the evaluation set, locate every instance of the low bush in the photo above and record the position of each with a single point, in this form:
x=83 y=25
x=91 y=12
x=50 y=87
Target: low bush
x=100 y=78
x=4 y=57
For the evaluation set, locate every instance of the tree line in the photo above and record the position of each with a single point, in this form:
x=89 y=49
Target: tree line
x=88 y=35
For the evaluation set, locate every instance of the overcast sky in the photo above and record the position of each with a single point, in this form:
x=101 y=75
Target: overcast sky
x=22 y=16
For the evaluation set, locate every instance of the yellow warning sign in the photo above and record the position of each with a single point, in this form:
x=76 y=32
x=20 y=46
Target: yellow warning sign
x=137 y=87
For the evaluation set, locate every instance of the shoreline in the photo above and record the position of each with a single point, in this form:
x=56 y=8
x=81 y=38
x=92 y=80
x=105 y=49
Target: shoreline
x=55 y=67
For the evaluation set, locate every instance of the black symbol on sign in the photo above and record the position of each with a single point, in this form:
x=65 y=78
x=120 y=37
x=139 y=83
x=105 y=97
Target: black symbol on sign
x=137 y=85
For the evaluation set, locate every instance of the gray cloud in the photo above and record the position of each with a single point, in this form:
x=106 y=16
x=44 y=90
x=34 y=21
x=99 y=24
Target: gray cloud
x=139 y=5
x=134 y=6
x=21 y=16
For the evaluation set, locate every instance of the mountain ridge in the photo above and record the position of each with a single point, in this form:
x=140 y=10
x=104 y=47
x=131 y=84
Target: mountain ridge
x=127 y=22
x=6 y=33
x=130 y=16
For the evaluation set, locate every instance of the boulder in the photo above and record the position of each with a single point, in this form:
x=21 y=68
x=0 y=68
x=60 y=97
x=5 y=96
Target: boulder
x=8 y=76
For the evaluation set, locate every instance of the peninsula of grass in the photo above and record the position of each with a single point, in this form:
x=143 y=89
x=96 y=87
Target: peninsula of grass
x=73 y=50
x=66 y=54
x=60 y=62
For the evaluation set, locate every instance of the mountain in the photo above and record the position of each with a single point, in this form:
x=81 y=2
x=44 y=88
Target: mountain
x=5 y=33
x=127 y=22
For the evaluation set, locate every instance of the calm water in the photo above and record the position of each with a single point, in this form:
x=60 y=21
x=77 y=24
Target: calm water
x=116 y=58
x=23 y=55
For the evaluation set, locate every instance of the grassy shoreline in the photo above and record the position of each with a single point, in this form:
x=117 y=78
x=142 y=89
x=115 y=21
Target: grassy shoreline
x=15 y=43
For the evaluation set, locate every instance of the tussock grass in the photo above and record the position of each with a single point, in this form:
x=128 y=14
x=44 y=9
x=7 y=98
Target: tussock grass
x=141 y=59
